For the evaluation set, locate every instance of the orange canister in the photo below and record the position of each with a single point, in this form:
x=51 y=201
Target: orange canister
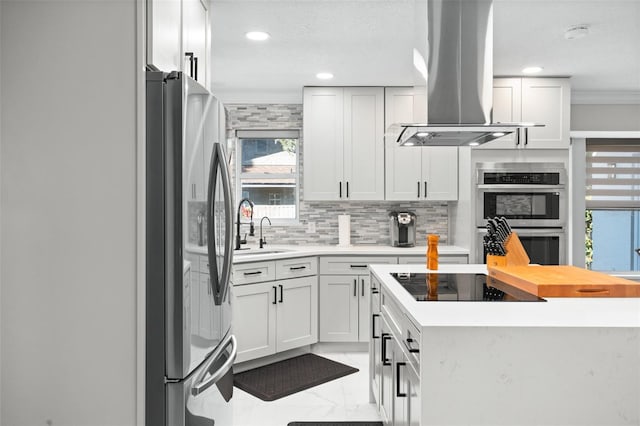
x=432 y=251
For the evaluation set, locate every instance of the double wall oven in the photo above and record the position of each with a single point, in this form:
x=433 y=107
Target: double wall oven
x=533 y=198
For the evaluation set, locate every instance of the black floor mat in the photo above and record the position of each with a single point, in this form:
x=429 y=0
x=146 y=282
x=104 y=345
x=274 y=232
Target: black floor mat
x=283 y=378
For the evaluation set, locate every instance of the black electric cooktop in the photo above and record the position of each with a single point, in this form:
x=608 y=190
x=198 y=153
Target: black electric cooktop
x=461 y=287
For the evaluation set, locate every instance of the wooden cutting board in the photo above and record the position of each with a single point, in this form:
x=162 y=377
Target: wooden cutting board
x=564 y=281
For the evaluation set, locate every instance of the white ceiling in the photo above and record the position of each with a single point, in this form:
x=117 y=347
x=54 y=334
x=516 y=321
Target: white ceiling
x=368 y=42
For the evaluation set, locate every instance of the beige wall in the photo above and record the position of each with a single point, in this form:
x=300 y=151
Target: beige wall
x=68 y=212
x=605 y=117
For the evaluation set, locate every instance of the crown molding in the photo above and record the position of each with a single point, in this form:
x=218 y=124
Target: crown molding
x=605 y=97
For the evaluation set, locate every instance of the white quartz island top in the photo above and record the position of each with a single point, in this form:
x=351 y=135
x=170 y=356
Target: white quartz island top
x=275 y=252
x=555 y=312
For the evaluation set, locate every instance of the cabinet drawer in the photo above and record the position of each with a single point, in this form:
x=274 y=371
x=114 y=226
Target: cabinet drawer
x=392 y=313
x=249 y=273
x=299 y=267
x=411 y=343
x=351 y=265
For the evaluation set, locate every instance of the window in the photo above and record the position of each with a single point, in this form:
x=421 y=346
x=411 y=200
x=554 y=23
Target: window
x=613 y=205
x=267 y=172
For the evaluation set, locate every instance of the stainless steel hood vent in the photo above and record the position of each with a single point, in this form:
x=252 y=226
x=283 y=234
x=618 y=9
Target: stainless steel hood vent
x=453 y=87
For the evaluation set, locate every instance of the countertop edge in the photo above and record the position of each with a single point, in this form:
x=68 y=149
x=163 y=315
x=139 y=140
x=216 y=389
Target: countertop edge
x=555 y=312
x=288 y=252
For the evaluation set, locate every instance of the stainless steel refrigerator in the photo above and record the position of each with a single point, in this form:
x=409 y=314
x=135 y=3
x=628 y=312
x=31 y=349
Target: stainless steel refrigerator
x=189 y=346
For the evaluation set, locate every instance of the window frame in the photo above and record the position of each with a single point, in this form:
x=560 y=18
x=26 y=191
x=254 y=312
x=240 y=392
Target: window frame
x=288 y=133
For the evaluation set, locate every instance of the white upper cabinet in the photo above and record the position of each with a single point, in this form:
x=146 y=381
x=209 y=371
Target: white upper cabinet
x=343 y=143
x=416 y=173
x=175 y=28
x=164 y=27
x=195 y=40
x=532 y=100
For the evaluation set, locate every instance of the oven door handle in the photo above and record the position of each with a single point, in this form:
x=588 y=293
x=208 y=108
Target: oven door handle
x=521 y=187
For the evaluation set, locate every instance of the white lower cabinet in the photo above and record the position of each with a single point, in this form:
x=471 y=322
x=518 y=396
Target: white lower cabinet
x=275 y=306
x=344 y=297
x=275 y=316
x=394 y=363
x=344 y=308
x=406 y=392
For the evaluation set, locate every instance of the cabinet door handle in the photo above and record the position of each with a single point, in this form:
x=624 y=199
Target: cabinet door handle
x=252 y=273
x=425 y=189
x=517 y=137
x=398 y=393
x=347 y=189
x=526 y=136
x=275 y=295
x=195 y=62
x=418 y=189
x=373 y=326
x=281 y=293
x=355 y=287
x=409 y=340
x=297 y=268
x=190 y=56
x=383 y=352
x=340 y=189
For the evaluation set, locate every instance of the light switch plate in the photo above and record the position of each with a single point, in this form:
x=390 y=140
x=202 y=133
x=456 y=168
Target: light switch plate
x=311 y=228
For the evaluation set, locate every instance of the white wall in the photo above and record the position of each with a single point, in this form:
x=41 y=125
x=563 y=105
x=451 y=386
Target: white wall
x=605 y=117
x=68 y=212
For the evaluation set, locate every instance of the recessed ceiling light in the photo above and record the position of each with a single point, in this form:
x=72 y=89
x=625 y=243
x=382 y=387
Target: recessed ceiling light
x=532 y=70
x=257 y=35
x=498 y=134
x=474 y=143
x=576 y=31
x=422 y=134
x=324 y=75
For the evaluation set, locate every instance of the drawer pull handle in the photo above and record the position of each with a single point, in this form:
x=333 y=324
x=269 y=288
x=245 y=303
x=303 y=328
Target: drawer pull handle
x=358 y=266
x=253 y=273
x=398 y=393
x=297 y=268
x=373 y=326
x=383 y=352
x=408 y=345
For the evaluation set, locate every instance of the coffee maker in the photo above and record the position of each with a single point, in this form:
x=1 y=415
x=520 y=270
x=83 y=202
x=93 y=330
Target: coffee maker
x=402 y=229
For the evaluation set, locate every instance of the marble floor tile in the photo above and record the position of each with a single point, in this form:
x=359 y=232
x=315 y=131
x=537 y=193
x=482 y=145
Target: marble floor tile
x=343 y=399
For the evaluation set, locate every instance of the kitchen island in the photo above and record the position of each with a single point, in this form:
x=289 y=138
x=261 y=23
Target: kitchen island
x=565 y=361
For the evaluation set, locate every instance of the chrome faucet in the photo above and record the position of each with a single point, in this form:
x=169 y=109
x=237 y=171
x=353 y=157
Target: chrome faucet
x=240 y=241
x=263 y=241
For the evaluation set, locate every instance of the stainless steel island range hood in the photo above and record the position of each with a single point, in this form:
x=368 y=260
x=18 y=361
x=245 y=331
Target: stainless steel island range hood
x=453 y=61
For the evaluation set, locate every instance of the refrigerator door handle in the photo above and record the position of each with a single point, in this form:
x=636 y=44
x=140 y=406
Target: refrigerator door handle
x=220 y=282
x=200 y=384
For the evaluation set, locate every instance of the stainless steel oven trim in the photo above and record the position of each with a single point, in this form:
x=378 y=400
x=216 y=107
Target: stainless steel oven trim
x=560 y=168
x=528 y=232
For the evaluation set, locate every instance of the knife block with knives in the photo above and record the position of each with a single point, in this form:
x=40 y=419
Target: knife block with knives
x=503 y=246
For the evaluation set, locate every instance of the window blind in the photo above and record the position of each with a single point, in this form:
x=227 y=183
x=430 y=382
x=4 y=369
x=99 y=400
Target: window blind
x=613 y=174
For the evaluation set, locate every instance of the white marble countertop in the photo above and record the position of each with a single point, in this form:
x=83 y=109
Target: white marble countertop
x=275 y=252
x=555 y=312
